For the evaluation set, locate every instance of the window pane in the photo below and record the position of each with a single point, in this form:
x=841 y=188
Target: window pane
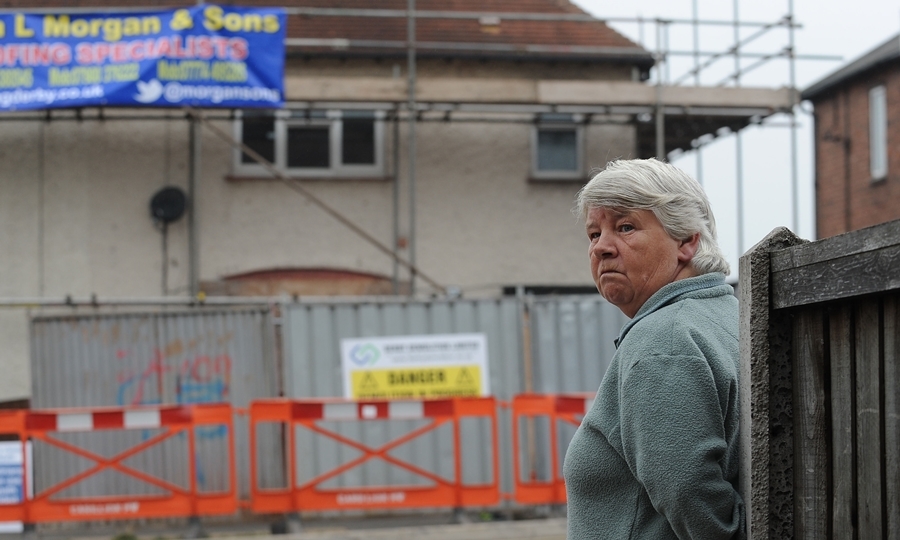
x=878 y=132
x=358 y=142
x=258 y=132
x=557 y=150
x=308 y=147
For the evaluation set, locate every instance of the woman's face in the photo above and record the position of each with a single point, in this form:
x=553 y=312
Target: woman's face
x=632 y=256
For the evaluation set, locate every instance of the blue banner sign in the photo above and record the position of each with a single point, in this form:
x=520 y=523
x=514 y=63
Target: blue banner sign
x=203 y=56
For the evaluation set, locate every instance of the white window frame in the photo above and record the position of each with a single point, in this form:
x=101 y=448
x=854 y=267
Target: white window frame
x=334 y=120
x=575 y=122
x=878 y=133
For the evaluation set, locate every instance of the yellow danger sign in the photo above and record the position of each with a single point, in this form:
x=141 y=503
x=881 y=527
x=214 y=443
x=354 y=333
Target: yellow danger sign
x=416 y=382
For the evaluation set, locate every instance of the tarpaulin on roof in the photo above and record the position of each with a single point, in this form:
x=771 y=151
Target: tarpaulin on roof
x=206 y=56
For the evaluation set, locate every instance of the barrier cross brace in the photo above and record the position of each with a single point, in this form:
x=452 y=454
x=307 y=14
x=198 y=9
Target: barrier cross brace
x=298 y=419
x=311 y=496
x=49 y=505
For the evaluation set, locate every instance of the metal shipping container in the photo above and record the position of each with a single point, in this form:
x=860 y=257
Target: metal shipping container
x=571 y=344
x=197 y=356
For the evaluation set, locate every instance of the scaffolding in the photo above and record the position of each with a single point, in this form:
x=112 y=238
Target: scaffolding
x=669 y=116
x=663 y=82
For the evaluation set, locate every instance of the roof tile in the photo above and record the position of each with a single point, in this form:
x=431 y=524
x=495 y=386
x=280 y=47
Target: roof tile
x=553 y=37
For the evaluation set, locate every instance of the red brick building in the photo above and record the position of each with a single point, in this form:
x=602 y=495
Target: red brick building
x=857 y=142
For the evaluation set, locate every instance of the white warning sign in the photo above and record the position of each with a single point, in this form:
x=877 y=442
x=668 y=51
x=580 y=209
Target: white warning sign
x=415 y=367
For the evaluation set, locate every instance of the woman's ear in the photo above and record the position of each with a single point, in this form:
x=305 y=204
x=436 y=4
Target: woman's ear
x=687 y=248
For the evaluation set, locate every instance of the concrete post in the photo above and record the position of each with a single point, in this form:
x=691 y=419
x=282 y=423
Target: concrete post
x=766 y=436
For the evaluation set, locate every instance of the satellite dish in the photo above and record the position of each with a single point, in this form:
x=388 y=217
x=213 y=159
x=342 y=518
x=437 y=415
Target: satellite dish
x=168 y=204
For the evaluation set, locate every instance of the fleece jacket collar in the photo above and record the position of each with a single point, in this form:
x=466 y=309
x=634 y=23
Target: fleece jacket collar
x=670 y=292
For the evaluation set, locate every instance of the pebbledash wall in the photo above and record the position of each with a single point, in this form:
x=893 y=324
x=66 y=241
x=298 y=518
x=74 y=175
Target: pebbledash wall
x=74 y=215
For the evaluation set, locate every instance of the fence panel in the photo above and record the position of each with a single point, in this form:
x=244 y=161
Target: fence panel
x=822 y=404
x=169 y=493
x=843 y=500
x=891 y=332
x=318 y=490
x=809 y=426
x=869 y=419
x=844 y=451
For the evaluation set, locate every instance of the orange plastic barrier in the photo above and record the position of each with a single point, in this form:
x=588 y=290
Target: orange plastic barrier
x=568 y=408
x=309 y=414
x=167 y=422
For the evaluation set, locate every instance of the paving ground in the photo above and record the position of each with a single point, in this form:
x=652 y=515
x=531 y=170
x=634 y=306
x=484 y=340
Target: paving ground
x=532 y=529
x=397 y=527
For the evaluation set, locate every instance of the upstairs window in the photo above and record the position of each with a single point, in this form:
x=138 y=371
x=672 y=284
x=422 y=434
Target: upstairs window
x=878 y=144
x=312 y=143
x=556 y=143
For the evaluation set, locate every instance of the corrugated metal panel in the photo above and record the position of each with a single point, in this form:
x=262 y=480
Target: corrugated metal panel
x=313 y=333
x=153 y=358
x=571 y=341
x=312 y=359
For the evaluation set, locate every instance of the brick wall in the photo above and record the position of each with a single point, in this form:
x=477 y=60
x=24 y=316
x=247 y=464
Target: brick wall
x=846 y=196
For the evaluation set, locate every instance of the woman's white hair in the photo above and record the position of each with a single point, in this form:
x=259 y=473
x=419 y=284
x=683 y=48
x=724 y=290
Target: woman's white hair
x=676 y=199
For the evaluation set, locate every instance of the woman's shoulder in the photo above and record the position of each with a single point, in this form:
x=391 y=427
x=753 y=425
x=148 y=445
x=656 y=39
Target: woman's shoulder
x=691 y=312
x=675 y=328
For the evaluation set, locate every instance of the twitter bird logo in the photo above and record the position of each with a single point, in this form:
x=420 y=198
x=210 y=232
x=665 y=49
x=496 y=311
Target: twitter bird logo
x=149 y=91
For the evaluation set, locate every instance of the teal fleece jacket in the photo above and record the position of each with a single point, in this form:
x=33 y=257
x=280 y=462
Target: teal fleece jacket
x=656 y=456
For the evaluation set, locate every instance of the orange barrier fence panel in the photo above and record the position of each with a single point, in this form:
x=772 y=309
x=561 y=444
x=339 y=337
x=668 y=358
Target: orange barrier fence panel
x=271 y=500
x=82 y=481
x=308 y=419
x=555 y=409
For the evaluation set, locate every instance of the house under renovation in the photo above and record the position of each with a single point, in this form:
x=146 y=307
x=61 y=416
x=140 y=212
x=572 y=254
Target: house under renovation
x=426 y=155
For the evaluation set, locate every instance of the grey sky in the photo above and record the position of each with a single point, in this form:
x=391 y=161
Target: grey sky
x=830 y=28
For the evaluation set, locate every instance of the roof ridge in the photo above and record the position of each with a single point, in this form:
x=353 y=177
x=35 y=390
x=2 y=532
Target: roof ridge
x=881 y=53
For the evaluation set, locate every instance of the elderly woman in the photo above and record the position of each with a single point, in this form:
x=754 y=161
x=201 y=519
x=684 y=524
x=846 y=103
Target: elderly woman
x=656 y=457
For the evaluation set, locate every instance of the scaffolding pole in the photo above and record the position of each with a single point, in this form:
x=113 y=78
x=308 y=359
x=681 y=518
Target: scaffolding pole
x=739 y=147
x=395 y=196
x=411 y=157
x=660 y=115
x=698 y=154
x=193 y=177
x=795 y=190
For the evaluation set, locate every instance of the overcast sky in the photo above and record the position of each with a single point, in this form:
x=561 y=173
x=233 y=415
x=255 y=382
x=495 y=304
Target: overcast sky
x=830 y=28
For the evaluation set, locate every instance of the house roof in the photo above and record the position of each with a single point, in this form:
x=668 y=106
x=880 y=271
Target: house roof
x=887 y=52
x=318 y=34
x=592 y=40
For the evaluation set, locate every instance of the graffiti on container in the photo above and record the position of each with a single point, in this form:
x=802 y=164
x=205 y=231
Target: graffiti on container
x=198 y=378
